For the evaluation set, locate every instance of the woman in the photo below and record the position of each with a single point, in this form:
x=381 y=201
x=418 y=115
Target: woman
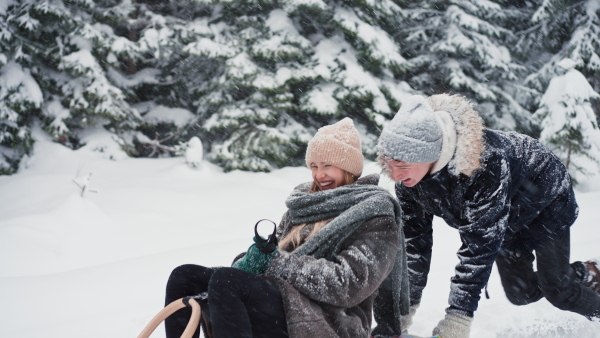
x=338 y=242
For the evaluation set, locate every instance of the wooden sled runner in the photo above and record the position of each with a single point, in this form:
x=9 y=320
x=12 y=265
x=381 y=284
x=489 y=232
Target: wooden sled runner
x=169 y=310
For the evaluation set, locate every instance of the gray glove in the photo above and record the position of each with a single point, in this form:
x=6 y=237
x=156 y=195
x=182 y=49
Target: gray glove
x=407 y=320
x=453 y=326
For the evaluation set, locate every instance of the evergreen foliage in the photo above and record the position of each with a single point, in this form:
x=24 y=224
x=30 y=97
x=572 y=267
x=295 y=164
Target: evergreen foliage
x=563 y=44
x=56 y=60
x=293 y=66
x=255 y=79
x=463 y=47
x=569 y=125
x=563 y=29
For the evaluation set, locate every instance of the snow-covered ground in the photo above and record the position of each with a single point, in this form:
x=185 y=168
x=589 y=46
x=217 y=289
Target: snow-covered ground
x=96 y=265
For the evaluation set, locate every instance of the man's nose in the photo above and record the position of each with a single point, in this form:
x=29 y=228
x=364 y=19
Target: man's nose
x=397 y=174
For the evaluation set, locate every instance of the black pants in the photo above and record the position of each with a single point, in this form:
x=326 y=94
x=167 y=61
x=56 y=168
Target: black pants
x=560 y=282
x=239 y=304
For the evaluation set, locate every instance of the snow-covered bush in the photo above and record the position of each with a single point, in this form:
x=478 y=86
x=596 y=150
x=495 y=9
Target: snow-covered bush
x=569 y=126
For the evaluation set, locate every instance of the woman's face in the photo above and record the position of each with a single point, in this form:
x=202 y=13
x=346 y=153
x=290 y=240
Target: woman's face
x=326 y=175
x=408 y=173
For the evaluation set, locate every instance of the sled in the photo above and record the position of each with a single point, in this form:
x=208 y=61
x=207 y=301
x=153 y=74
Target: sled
x=169 y=310
x=195 y=318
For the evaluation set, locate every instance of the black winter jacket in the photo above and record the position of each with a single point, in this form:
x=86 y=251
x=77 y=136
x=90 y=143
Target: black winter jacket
x=519 y=197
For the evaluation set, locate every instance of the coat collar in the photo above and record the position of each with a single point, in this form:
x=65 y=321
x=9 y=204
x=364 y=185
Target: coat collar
x=468 y=126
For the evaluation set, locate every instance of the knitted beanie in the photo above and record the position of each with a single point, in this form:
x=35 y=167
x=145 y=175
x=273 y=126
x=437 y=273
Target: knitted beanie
x=339 y=145
x=413 y=135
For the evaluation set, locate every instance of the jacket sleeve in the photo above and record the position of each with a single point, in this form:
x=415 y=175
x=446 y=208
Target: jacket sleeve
x=353 y=275
x=483 y=222
x=418 y=234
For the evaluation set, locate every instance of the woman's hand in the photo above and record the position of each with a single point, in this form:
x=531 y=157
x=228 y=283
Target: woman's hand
x=259 y=256
x=255 y=260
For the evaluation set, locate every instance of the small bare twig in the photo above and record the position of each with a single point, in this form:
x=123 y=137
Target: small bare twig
x=84 y=184
x=156 y=145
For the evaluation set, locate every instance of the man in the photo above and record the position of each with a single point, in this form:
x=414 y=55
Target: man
x=507 y=195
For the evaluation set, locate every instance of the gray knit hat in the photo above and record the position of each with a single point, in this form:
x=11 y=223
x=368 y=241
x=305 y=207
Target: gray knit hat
x=413 y=135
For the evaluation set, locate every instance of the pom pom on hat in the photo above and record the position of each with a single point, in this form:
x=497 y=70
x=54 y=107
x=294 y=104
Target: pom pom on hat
x=413 y=135
x=337 y=144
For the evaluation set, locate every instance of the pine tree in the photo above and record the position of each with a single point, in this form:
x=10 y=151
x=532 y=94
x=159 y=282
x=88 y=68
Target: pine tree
x=19 y=95
x=64 y=56
x=569 y=125
x=255 y=79
x=27 y=46
x=463 y=47
x=563 y=29
x=286 y=68
x=168 y=76
x=91 y=64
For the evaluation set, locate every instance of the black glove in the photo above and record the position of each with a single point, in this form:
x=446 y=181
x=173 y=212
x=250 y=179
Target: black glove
x=268 y=245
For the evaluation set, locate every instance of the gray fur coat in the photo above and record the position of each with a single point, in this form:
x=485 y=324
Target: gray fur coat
x=329 y=283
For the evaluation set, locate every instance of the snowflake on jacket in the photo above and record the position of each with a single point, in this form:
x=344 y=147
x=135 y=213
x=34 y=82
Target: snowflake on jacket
x=490 y=185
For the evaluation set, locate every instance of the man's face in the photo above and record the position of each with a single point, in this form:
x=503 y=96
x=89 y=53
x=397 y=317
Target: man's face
x=408 y=173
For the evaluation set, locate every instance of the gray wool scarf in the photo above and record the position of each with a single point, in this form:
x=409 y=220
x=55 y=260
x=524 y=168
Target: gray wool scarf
x=350 y=206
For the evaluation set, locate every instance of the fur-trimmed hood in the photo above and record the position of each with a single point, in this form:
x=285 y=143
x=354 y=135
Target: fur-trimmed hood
x=469 y=130
x=463 y=141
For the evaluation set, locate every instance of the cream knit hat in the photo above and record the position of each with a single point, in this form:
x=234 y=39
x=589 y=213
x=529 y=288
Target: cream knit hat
x=339 y=145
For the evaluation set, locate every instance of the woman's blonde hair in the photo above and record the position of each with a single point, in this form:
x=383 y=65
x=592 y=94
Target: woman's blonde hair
x=294 y=237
